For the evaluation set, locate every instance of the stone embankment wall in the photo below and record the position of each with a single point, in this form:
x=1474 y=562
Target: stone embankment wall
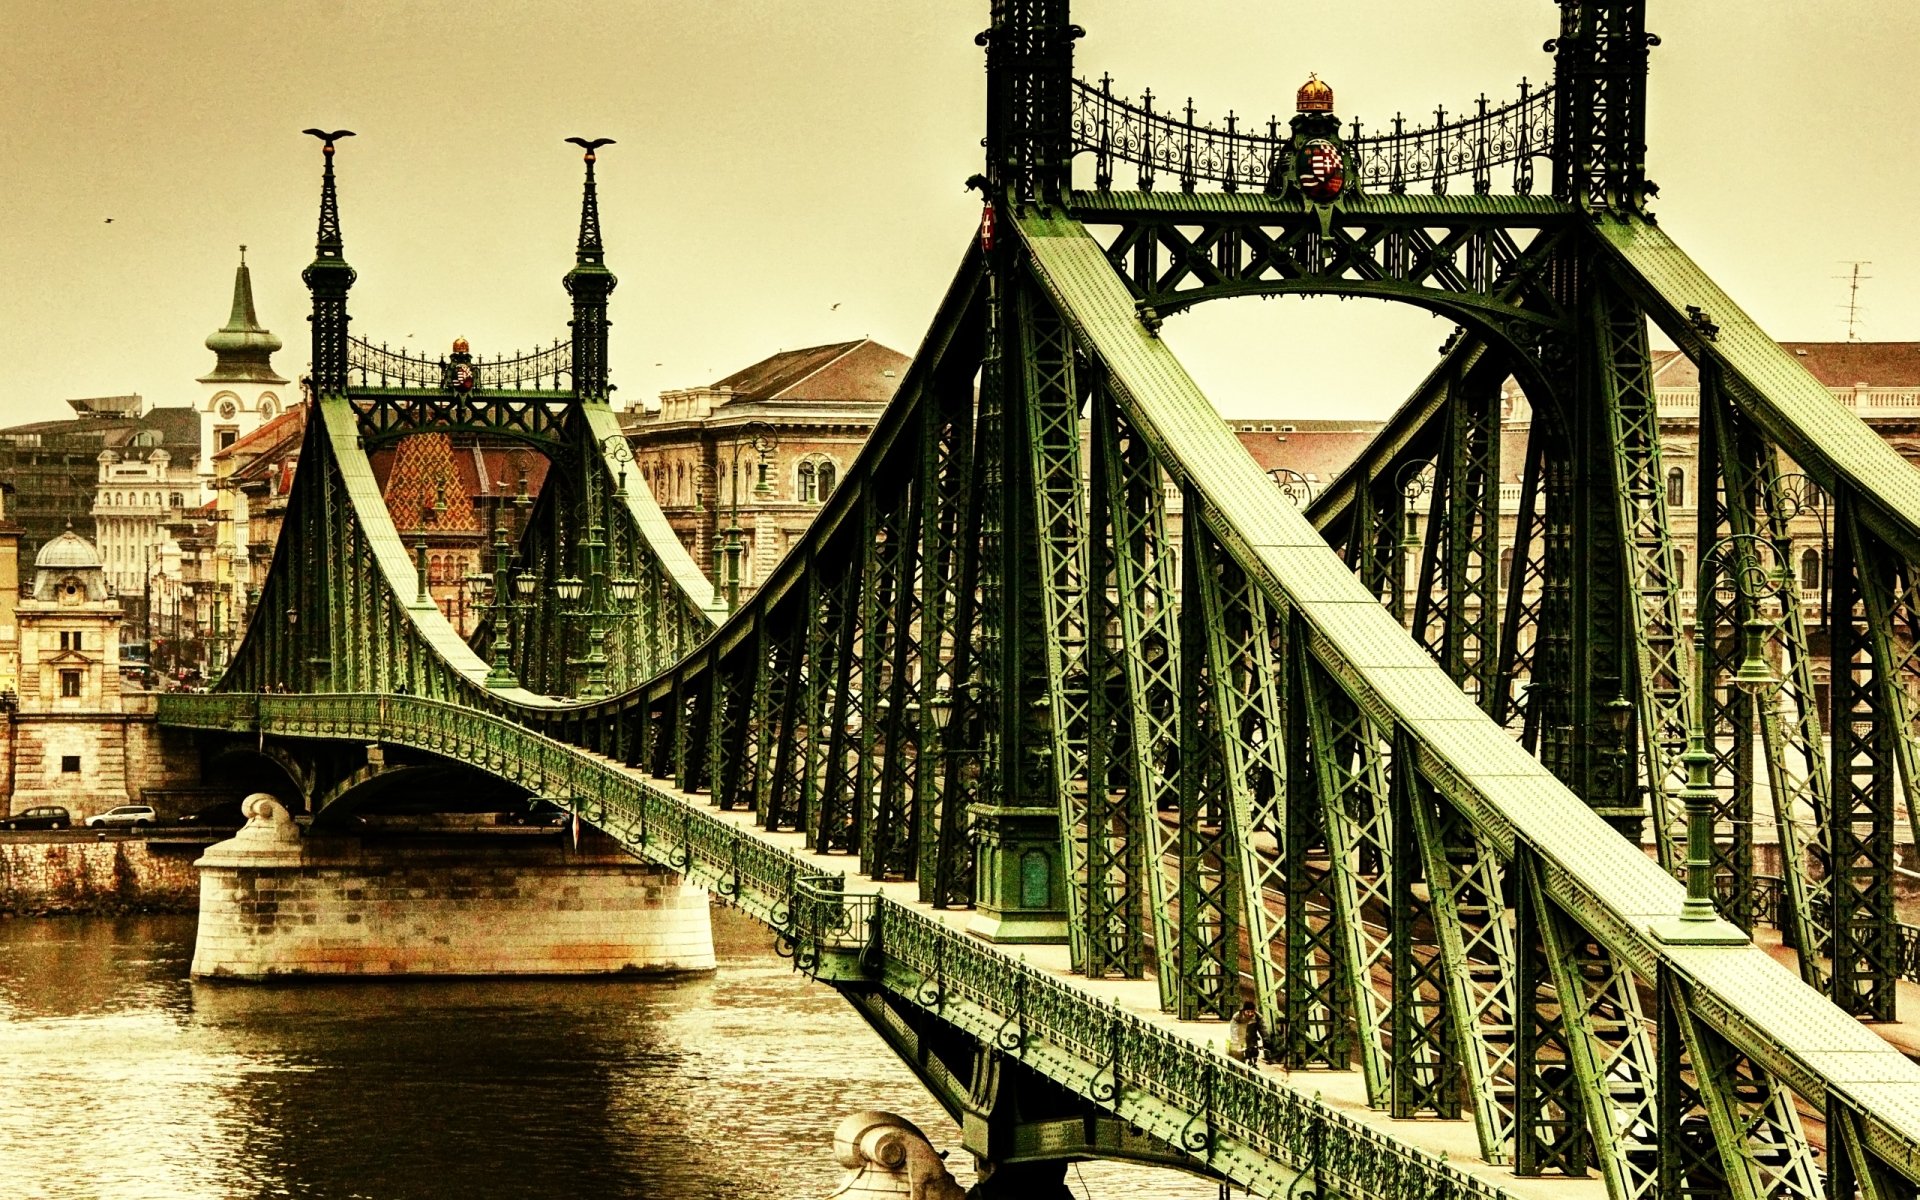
x=46 y=877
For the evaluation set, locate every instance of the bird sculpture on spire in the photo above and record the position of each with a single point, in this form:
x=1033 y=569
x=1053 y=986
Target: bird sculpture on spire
x=589 y=145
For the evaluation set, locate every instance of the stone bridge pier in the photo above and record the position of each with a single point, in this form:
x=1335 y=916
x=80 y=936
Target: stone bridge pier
x=277 y=901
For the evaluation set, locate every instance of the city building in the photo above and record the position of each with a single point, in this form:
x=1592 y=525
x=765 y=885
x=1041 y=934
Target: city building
x=761 y=449
x=67 y=731
x=243 y=391
x=54 y=466
x=9 y=598
x=145 y=483
x=252 y=480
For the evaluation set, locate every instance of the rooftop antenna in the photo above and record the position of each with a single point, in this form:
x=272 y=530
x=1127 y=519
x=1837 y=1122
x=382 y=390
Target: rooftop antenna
x=1853 y=278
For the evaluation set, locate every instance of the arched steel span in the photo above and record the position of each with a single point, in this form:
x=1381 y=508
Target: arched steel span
x=802 y=673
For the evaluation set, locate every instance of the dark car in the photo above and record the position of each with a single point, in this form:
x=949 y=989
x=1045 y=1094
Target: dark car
x=536 y=813
x=46 y=816
x=224 y=815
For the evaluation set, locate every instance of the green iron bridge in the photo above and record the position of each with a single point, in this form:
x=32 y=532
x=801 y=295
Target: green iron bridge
x=1045 y=773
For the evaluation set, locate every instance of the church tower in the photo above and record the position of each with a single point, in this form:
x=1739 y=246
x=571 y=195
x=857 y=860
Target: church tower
x=243 y=391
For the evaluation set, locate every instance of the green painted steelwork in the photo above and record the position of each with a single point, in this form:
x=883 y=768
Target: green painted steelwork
x=990 y=668
x=1248 y=1128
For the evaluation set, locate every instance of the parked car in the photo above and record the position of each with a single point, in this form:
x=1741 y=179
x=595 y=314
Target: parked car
x=224 y=815
x=125 y=814
x=536 y=813
x=46 y=816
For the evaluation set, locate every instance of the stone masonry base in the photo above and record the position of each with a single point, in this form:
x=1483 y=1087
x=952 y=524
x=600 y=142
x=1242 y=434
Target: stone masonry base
x=474 y=906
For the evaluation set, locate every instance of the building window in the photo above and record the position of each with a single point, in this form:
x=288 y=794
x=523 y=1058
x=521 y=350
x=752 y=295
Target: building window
x=1810 y=571
x=70 y=685
x=69 y=764
x=1676 y=488
x=222 y=438
x=813 y=480
x=66 y=640
x=1680 y=565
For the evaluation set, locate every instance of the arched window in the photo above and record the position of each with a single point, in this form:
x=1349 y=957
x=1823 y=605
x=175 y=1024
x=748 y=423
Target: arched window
x=809 y=488
x=1810 y=580
x=1506 y=566
x=826 y=480
x=1680 y=565
x=1676 y=488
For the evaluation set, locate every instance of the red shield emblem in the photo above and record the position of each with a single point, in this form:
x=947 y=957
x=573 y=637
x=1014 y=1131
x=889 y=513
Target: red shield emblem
x=463 y=377
x=1323 y=171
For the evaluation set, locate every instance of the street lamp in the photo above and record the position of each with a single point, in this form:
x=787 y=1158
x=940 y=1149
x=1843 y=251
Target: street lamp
x=1698 y=923
x=1796 y=495
x=616 y=447
x=1297 y=488
x=499 y=590
x=761 y=436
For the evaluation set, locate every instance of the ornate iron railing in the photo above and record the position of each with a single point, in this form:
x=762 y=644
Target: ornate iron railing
x=1117 y=130
x=547 y=369
x=1220 y=1111
x=1766 y=903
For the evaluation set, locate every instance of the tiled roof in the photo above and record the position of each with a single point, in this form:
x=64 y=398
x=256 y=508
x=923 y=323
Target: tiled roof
x=267 y=438
x=410 y=471
x=1835 y=364
x=862 y=370
x=425 y=473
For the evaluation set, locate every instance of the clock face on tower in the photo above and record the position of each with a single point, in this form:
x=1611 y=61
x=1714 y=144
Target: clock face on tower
x=266 y=410
x=227 y=409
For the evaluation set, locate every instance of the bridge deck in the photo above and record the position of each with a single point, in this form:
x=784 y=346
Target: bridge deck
x=1344 y=1091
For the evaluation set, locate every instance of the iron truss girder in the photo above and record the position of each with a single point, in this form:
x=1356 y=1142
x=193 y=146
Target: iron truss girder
x=1793 y=411
x=1379 y=698
x=1486 y=269
x=537 y=419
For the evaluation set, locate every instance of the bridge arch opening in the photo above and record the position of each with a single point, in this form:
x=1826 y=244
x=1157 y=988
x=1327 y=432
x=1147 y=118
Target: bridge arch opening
x=1258 y=357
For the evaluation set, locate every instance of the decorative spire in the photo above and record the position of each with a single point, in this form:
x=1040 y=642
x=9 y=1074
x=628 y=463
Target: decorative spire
x=328 y=278
x=243 y=349
x=590 y=252
x=590 y=283
x=328 y=244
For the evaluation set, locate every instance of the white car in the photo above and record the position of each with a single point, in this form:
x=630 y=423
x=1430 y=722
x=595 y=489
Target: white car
x=126 y=814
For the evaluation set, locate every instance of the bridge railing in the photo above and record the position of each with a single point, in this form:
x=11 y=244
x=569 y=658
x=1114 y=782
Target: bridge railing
x=1174 y=145
x=1223 y=1112
x=371 y=366
x=1766 y=905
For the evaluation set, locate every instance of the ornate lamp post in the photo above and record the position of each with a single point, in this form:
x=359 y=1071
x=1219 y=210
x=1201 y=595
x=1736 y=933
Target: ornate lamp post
x=600 y=595
x=1698 y=922
x=495 y=594
x=1297 y=488
x=1413 y=480
x=1795 y=496
x=760 y=436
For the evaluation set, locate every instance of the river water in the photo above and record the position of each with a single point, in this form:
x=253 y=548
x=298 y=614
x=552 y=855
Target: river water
x=122 y=1080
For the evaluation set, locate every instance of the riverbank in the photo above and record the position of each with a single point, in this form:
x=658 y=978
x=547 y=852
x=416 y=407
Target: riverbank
x=52 y=875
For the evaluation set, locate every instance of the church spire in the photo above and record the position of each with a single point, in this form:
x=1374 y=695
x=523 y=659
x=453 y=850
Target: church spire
x=243 y=349
x=590 y=283
x=328 y=278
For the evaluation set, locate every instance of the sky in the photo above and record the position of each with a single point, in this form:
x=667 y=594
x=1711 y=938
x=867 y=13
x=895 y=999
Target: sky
x=790 y=174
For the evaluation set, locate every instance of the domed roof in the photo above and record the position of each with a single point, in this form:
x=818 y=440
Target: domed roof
x=243 y=349
x=67 y=552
